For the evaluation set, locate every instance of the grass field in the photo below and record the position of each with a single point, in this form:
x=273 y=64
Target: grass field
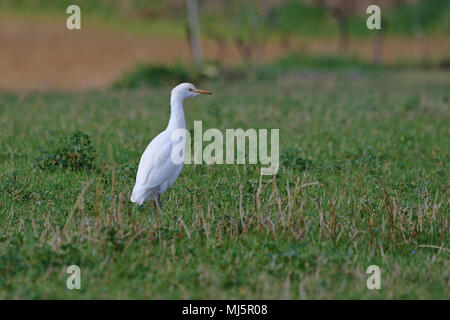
x=364 y=180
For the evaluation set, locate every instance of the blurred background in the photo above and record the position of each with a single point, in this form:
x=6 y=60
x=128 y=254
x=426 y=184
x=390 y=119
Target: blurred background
x=130 y=43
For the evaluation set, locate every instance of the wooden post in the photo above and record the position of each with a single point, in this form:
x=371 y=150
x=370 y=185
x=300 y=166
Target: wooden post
x=194 y=32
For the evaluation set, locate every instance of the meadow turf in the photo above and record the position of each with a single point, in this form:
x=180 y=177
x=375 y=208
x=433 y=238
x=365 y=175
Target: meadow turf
x=363 y=180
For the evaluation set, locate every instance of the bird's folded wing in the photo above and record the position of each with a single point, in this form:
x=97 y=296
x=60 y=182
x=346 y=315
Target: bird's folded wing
x=156 y=165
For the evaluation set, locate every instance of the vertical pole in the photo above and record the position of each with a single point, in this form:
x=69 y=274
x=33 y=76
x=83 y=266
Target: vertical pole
x=194 y=31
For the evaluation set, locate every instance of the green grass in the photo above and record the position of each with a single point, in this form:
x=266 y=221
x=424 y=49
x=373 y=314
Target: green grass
x=364 y=181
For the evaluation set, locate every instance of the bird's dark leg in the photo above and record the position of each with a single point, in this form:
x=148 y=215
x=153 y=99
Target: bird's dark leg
x=157 y=203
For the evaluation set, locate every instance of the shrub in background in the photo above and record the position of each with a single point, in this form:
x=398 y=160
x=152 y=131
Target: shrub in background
x=156 y=75
x=73 y=151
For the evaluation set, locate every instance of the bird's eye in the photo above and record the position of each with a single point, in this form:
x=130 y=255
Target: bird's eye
x=190 y=89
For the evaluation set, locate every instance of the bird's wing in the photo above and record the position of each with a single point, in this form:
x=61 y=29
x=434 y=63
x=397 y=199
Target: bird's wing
x=172 y=178
x=156 y=165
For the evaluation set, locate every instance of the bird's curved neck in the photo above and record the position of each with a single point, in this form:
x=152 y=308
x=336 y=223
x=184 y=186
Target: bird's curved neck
x=177 y=119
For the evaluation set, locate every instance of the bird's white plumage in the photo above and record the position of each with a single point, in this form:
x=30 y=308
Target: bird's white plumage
x=156 y=170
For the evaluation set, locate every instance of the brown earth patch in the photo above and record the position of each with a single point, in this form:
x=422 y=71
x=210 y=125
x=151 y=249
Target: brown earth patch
x=46 y=56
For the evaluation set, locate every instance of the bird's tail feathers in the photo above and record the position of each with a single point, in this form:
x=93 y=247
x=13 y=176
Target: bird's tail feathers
x=139 y=195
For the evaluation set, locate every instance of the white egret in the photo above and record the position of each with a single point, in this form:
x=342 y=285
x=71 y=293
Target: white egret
x=156 y=170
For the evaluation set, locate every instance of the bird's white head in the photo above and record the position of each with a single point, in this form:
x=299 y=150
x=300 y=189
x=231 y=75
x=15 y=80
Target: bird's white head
x=187 y=90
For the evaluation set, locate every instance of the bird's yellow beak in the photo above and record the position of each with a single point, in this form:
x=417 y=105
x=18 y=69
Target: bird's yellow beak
x=202 y=91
